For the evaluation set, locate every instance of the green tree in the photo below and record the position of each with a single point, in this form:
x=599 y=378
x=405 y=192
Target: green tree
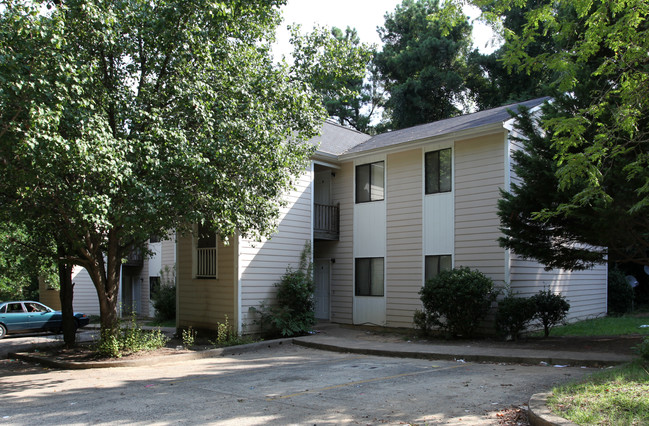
x=593 y=200
x=423 y=61
x=23 y=260
x=120 y=120
x=335 y=64
x=493 y=83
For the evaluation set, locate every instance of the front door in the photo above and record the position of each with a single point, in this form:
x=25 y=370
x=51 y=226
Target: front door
x=322 y=288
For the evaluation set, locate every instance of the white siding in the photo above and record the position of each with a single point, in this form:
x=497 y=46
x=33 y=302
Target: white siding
x=404 y=237
x=586 y=291
x=85 y=297
x=369 y=230
x=262 y=264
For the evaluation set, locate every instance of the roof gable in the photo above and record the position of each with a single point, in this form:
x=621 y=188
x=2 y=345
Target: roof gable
x=335 y=139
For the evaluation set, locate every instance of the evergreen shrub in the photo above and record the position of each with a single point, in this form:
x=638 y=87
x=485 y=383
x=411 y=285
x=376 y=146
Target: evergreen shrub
x=551 y=309
x=456 y=301
x=513 y=315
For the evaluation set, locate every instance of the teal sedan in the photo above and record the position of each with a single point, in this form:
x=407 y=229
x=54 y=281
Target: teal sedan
x=29 y=316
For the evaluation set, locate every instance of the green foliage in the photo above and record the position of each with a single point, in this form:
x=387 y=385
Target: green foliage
x=129 y=339
x=164 y=298
x=334 y=64
x=227 y=336
x=643 y=350
x=189 y=337
x=620 y=293
x=513 y=315
x=596 y=128
x=493 y=83
x=292 y=314
x=423 y=61
x=551 y=309
x=23 y=259
x=457 y=300
x=121 y=120
x=556 y=242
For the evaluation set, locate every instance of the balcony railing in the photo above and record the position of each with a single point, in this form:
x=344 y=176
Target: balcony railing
x=134 y=258
x=206 y=262
x=326 y=222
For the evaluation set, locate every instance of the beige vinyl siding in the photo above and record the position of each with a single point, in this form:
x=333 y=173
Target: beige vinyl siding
x=169 y=252
x=85 y=297
x=586 y=291
x=202 y=303
x=342 y=279
x=404 y=276
x=143 y=308
x=48 y=296
x=262 y=264
x=479 y=174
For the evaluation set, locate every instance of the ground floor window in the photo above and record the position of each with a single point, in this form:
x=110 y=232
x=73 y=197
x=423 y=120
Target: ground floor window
x=369 y=276
x=435 y=264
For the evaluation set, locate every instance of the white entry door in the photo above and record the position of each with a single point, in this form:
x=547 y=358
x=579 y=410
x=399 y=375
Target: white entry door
x=322 y=288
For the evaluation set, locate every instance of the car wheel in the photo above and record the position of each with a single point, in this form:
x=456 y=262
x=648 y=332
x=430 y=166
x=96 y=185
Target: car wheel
x=3 y=331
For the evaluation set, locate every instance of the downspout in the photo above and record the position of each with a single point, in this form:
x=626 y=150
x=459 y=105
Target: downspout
x=508 y=164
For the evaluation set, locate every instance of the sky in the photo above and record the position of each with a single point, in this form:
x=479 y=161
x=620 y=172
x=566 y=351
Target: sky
x=364 y=15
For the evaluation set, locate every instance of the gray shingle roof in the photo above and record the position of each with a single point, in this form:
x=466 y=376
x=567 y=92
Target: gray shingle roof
x=442 y=127
x=336 y=139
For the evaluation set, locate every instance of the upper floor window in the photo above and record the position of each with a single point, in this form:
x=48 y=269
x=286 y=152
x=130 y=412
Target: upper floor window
x=370 y=182
x=205 y=261
x=438 y=171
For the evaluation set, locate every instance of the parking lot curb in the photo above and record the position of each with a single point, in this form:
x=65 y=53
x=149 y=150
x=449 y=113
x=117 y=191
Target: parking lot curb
x=455 y=355
x=148 y=361
x=540 y=415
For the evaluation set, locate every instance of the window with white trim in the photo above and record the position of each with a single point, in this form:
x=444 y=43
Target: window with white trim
x=369 y=276
x=438 y=171
x=206 y=252
x=433 y=265
x=370 y=182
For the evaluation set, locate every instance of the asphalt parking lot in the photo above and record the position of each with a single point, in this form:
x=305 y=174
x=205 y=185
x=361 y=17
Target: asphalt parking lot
x=286 y=385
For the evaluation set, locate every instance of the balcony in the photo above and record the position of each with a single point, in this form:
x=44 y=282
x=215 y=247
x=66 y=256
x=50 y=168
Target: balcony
x=326 y=222
x=134 y=258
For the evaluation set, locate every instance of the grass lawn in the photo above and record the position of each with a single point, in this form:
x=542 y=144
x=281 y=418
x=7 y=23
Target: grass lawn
x=605 y=326
x=616 y=396
x=166 y=323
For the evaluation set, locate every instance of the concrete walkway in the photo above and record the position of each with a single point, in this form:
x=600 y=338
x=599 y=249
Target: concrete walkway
x=339 y=338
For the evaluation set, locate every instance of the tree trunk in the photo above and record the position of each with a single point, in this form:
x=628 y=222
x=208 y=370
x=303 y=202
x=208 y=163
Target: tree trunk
x=105 y=274
x=66 y=294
